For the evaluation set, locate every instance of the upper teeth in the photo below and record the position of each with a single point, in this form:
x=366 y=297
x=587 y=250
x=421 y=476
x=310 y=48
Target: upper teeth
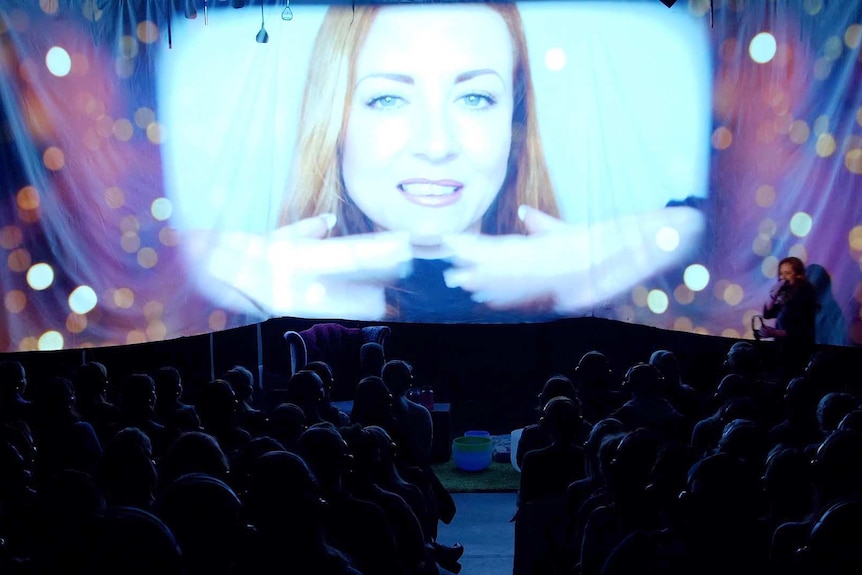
x=428 y=189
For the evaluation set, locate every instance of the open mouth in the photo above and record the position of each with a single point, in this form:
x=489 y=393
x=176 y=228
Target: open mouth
x=431 y=193
x=429 y=189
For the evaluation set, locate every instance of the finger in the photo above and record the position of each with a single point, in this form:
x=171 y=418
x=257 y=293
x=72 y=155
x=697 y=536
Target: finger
x=317 y=227
x=538 y=222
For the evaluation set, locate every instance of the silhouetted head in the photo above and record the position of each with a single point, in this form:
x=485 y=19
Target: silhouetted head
x=139 y=394
x=305 y=388
x=594 y=369
x=133 y=542
x=13 y=380
x=837 y=465
x=283 y=495
x=644 y=380
x=326 y=453
x=557 y=386
x=560 y=419
x=852 y=421
x=241 y=382
x=371 y=359
x=742 y=358
x=372 y=404
x=744 y=440
x=833 y=543
x=194 y=452
x=286 y=423
x=833 y=407
x=733 y=385
x=91 y=381
x=324 y=372
x=169 y=384
x=205 y=516
x=55 y=399
x=398 y=377
x=667 y=365
x=216 y=404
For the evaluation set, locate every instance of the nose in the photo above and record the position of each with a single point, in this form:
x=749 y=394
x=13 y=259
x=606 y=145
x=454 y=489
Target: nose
x=435 y=137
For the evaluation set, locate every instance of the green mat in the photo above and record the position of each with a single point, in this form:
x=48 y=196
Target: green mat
x=496 y=478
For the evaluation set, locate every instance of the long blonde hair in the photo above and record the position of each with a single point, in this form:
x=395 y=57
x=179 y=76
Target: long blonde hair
x=317 y=185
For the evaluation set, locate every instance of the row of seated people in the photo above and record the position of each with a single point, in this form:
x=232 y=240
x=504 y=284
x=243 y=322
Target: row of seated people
x=129 y=479
x=754 y=476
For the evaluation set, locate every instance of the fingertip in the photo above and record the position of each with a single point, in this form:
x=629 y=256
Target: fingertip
x=329 y=219
x=522 y=212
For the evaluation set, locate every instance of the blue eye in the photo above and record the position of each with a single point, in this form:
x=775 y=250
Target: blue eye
x=386 y=102
x=478 y=101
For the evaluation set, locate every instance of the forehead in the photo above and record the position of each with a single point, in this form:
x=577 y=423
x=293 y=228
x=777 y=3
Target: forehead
x=436 y=37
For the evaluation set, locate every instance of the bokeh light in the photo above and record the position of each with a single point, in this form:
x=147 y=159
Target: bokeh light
x=667 y=239
x=130 y=242
x=156 y=133
x=769 y=267
x=762 y=47
x=11 y=237
x=799 y=132
x=555 y=59
x=733 y=294
x=124 y=298
x=114 y=197
x=800 y=224
x=76 y=323
x=49 y=6
x=853 y=36
x=153 y=310
x=147 y=32
x=50 y=341
x=83 y=299
x=217 y=320
x=639 y=296
x=144 y=117
x=15 y=301
x=765 y=196
x=854 y=238
x=19 y=260
x=169 y=236
x=825 y=145
x=798 y=251
x=833 y=48
x=812 y=7
x=123 y=130
x=853 y=160
x=696 y=277
x=27 y=198
x=161 y=209
x=54 y=158
x=40 y=276
x=683 y=323
x=722 y=138
x=762 y=245
x=657 y=301
x=58 y=61
x=147 y=258
x=683 y=294
x=136 y=336
x=156 y=330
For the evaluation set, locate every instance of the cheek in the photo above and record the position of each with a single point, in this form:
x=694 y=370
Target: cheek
x=487 y=141
x=371 y=141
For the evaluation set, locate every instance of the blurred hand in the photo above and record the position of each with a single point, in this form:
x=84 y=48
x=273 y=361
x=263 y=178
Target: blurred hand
x=298 y=270
x=569 y=266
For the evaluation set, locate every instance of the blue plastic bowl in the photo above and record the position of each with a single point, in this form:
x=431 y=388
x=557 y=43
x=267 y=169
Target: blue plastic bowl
x=472 y=453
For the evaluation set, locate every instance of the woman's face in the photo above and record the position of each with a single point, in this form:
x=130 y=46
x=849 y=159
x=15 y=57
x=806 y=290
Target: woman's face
x=430 y=123
x=786 y=273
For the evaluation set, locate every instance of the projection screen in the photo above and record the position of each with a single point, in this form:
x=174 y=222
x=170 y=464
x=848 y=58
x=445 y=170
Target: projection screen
x=168 y=173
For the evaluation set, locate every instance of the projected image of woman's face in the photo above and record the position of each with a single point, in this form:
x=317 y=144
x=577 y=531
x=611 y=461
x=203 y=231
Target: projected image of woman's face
x=430 y=123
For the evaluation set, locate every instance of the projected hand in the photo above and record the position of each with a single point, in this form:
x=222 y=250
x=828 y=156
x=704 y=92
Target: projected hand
x=570 y=267
x=296 y=270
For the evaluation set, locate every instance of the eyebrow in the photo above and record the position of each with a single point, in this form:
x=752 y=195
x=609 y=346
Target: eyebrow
x=405 y=79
